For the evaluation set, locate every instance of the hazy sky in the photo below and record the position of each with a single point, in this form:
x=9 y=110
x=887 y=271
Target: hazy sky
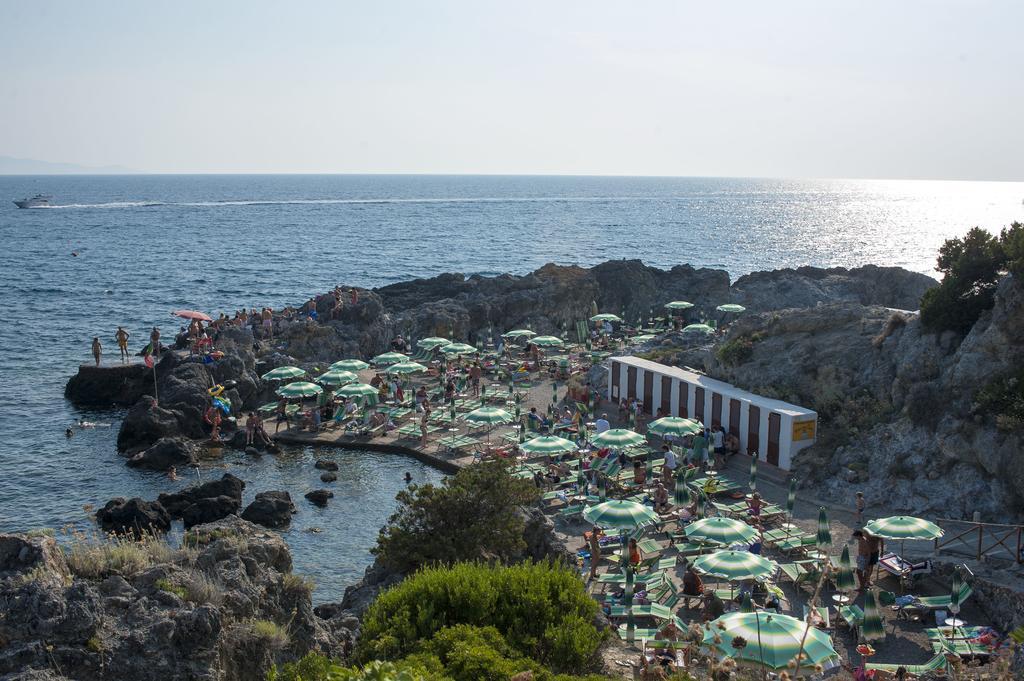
x=890 y=89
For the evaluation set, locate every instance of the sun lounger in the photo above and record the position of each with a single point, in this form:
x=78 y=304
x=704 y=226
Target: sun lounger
x=649 y=610
x=824 y=616
x=852 y=615
x=638 y=634
x=457 y=442
x=942 y=602
x=958 y=640
x=935 y=664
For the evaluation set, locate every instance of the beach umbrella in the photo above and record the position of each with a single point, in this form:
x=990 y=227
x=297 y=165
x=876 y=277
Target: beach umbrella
x=642 y=338
x=489 y=415
x=548 y=444
x=620 y=515
x=406 y=368
x=389 y=358
x=824 y=531
x=360 y=390
x=618 y=438
x=769 y=640
x=954 y=599
x=720 y=530
x=753 y=473
x=349 y=365
x=731 y=307
x=734 y=566
x=602 y=487
x=581 y=480
x=791 y=498
x=547 y=341
x=678 y=305
x=673 y=425
x=904 y=527
x=844 y=578
x=299 y=389
x=697 y=328
x=192 y=314
x=518 y=333
x=283 y=373
x=432 y=342
x=682 y=496
x=268 y=408
x=702 y=505
x=606 y=317
x=337 y=377
x=871 y=629
x=455 y=349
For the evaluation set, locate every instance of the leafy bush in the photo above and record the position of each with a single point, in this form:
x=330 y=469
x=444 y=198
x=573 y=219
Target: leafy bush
x=539 y=611
x=471 y=515
x=1003 y=398
x=316 y=667
x=170 y=587
x=971 y=268
x=737 y=351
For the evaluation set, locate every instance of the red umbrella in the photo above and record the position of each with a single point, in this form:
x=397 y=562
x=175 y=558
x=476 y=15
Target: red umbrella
x=192 y=314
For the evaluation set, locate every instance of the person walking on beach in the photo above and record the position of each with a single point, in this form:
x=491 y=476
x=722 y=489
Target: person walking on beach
x=154 y=341
x=97 y=349
x=122 y=343
x=282 y=415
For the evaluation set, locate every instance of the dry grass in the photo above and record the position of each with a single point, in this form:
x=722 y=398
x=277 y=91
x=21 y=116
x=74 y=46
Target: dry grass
x=201 y=588
x=99 y=555
x=292 y=582
x=264 y=633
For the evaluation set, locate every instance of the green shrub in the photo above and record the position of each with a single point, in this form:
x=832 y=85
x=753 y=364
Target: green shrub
x=268 y=634
x=292 y=582
x=471 y=515
x=737 y=351
x=1003 y=398
x=539 y=609
x=170 y=587
x=316 y=667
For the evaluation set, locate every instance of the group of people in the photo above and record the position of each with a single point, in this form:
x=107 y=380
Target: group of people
x=121 y=337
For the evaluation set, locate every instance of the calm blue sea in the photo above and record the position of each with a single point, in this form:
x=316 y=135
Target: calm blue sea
x=150 y=244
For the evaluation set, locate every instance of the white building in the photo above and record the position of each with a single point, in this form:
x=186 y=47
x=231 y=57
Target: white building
x=775 y=430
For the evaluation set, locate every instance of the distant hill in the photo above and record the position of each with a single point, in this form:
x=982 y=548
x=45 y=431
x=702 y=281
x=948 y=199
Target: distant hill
x=30 y=166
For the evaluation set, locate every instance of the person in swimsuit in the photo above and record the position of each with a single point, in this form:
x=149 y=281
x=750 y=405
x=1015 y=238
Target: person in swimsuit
x=154 y=341
x=97 y=349
x=122 y=342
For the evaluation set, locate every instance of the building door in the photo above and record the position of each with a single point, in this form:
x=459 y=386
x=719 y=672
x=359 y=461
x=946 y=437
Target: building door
x=666 y=395
x=754 y=430
x=734 y=417
x=649 y=392
x=698 y=406
x=684 y=399
x=616 y=379
x=774 y=427
x=630 y=382
x=716 y=409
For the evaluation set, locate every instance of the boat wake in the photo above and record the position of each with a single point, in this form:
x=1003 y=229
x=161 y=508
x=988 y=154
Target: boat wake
x=327 y=202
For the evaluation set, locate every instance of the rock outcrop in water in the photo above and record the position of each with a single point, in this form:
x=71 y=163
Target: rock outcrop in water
x=225 y=607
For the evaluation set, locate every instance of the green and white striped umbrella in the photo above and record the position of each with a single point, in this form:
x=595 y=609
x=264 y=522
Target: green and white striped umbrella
x=721 y=531
x=844 y=577
x=336 y=377
x=489 y=415
x=682 y=496
x=602 y=487
x=349 y=365
x=518 y=333
x=872 y=628
x=620 y=515
x=389 y=358
x=582 y=483
x=734 y=566
x=824 y=531
x=403 y=368
x=627 y=591
x=697 y=328
x=673 y=425
x=606 y=317
x=678 y=305
x=283 y=374
x=548 y=444
x=904 y=527
x=954 y=600
x=360 y=390
x=702 y=504
x=791 y=498
x=618 y=438
x=299 y=389
x=731 y=307
x=772 y=640
x=547 y=341
x=432 y=342
x=642 y=338
x=753 y=474
x=455 y=349
x=268 y=408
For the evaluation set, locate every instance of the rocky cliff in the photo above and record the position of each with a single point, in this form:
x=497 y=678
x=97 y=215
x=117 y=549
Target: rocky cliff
x=226 y=606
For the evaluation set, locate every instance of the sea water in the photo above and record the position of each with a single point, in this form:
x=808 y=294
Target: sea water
x=127 y=250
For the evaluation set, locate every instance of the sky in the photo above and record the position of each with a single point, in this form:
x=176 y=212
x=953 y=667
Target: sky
x=926 y=89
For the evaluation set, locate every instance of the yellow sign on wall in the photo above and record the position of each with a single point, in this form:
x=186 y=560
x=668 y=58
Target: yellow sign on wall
x=804 y=430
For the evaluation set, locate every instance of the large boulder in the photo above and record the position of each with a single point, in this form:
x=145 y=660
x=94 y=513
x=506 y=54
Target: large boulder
x=134 y=517
x=227 y=486
x=20 y=555
x=209 y=509
x=167 y=452
x=271 y=509
x=147 y=422
x=120 y=384
x=319 y=497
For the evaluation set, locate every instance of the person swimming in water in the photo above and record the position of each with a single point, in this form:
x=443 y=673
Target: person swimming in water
x=68 y=432
x=408 y=477
x=172 y=473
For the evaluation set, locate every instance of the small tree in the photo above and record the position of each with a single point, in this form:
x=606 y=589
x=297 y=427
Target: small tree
x=971 y=268
x=472 y=515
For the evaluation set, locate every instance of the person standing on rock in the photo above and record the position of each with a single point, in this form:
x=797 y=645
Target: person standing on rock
x=154 y=341
x=268 y=324
x=122 y=343
x=97 y=349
